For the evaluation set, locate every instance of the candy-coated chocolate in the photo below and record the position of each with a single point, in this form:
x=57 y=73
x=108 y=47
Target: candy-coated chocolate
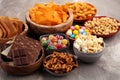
x=75 y=32
x=69 y=32
x=77 y=27
x=77 y=36
x=83 y=28
x=72 y=36
x=72 y=27
x=54 y=39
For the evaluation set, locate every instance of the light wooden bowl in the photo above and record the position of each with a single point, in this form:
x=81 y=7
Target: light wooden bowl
x=22 y=70
x=42 y=29
x=24 y=32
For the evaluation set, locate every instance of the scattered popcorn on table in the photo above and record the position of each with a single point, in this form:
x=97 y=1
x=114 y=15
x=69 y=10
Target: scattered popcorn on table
x=89 y=44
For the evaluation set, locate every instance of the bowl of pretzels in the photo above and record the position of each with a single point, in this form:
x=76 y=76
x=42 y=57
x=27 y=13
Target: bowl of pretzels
x=10 y=27
x=60 y=63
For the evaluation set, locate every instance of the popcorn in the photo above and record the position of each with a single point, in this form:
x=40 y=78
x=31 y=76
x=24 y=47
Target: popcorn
x=89 y=44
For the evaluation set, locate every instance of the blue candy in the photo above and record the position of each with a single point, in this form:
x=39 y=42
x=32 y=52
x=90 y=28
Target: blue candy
x=72 y=36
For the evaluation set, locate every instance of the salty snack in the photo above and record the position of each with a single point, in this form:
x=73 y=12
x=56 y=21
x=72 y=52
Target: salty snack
x=8 y=28
x=48 y=14
x=81 y=11
x=76 y=31
x=60 y=63
x=89 y=44
x=103 y=25
x=54 y=41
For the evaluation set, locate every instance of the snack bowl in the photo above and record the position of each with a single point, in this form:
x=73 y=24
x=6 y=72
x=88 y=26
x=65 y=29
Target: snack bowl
x=58 y=42
x=45 y=29
x=88 y=57
x=78 y=11
x=21 y=70
x=104 y=29
x=62 y=57
x=24 y=32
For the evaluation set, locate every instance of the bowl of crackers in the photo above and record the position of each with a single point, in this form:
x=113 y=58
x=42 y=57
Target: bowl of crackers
x=89 y=48
x=103 y=26
x=49 y=18
x=60 y=63
x=10 y=27
x=82 y=11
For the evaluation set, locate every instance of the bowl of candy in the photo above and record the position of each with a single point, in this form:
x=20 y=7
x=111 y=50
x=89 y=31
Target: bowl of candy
x=89 y=48
x=82 y=11
x=103 y=26
x=60 y=63
x=76 y=31
x=49 y=18
x=54 y=42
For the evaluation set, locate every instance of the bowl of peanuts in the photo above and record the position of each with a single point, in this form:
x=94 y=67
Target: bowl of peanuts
x=60 y=63
x=103 y=26
x=88 y=48
x=82 y=11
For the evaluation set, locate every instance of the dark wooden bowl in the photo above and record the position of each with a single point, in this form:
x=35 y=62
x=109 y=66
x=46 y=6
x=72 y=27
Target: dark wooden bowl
x=104 y=36
x=83 y=20
x=22 y=70
x=24 y=32
x=42 y=29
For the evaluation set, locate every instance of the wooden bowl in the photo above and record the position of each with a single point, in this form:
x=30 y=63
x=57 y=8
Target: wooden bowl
x=22 y=70
x=74 y=13
x=42 y=29
x=24 y=32
x=104 y=36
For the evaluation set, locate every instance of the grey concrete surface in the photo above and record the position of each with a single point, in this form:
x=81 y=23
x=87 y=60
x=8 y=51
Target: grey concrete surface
x=107 y=68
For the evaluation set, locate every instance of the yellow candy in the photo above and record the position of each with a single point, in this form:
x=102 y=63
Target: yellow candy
x=64 y=42
x=77 y=27
x=77 y=36
x=75 y=32
x=51 y=37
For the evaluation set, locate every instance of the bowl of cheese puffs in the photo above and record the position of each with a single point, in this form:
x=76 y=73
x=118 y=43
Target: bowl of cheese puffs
x=49 y=18
x=60 y=63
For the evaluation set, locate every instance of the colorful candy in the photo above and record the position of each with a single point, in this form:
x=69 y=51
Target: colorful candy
x=76 y=31
x=54 y=42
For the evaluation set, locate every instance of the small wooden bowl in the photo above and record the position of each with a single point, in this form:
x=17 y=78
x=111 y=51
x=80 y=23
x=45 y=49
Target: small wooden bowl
x=43 y=29
x=104 y=36
x=22 y=70
x=83 y=20
x=24 y=32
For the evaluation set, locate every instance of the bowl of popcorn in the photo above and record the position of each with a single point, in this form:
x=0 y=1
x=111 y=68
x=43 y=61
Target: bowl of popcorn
x=60 y=63
x=76 y=31
x=88 y=48
x=54 y=42
x=82 y=11
x=49 y=18
x=103 y=26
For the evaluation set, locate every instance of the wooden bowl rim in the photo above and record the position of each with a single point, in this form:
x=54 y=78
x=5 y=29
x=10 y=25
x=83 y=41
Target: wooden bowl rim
x=110 y=34
x=53 y=26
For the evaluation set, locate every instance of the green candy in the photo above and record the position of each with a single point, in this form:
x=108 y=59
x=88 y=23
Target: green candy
x=44 y=43
x=50 y=47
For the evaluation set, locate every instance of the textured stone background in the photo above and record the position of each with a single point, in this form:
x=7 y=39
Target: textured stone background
x=107 y=68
